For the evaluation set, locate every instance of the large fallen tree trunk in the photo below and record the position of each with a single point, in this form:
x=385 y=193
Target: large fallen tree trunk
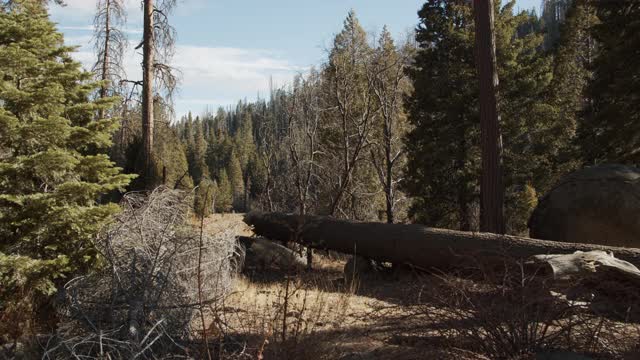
x=417 y=245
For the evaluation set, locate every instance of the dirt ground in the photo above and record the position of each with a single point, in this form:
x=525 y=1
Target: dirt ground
x=320 y=314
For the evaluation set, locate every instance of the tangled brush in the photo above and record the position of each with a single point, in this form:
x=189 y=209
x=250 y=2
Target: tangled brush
x=159 y=274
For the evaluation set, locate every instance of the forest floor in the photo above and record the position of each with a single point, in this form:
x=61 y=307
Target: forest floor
x=318 y=314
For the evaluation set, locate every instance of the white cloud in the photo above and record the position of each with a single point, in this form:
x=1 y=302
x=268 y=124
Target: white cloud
x=83 y=40
x=90 y=28
x=211 y=64
x=210 y=76
x=89 y=6
x=75 y=28
x=219 y=76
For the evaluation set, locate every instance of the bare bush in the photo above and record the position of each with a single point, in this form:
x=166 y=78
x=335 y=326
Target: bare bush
x=515 y=314
x=143 y=302
x=285 y=320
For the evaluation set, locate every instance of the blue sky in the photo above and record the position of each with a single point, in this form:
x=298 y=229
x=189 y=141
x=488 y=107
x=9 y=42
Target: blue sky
x=228 y=50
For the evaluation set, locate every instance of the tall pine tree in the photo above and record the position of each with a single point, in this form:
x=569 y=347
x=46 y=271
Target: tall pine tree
x=443 y=149
x=53 y=167
x=611 y=133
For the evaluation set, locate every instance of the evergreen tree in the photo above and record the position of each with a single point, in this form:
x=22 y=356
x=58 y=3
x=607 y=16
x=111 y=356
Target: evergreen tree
x=573 y=64
x=224 y=194
x=236 y=179
x=219 y=154
x=205 y=197
x=491 y=177
x=443 y=149
x=611 y=133
x=246 y=149
x=52 y=162
x=533 y=136
x=553 y=15
x=197 y=152
x=171 y=165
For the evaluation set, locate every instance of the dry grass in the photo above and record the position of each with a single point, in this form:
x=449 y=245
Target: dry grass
x=318 y=315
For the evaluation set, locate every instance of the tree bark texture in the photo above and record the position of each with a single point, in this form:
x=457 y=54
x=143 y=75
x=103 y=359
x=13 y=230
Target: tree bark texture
x=147 y=92
x=491 y=185
x=418 y=245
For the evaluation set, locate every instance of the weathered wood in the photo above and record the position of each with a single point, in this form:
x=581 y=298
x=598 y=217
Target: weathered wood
x=414 y=244
x=608 y=284
x=595 y=264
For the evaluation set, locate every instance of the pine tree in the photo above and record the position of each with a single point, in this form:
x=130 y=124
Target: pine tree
x=171 y=165
x=224 y=195
x=205 y=196
x=443 y=149
x=219 y=154
x=197 y=152
x=573 y=64
x=533 y=136
x=491 y=178
x=52 y=162
x=553 y=15
x=236 y=179
x=246 y=149
x=611 y=133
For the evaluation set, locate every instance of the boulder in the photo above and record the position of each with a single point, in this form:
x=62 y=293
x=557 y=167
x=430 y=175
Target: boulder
x=262 y=254
x=595 y=205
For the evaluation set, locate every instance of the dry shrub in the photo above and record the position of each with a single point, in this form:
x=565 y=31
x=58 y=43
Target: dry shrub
x=515 y=314
x=281 y=321
x=143 y=302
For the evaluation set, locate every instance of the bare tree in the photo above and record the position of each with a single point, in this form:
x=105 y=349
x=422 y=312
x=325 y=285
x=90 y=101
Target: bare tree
x=352 y=108
x=110 y=45
x=389 y=84
x=269 y=155
x=157 y=44
x=304 y=120
x=491 y=183
x=303 y=113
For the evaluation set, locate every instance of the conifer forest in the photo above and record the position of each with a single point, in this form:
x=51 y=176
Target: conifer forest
x=469 y=189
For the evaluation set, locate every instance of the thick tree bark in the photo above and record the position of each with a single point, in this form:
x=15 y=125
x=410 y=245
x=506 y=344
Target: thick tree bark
x=491 y=187
x=147 y=92
x=417 y=245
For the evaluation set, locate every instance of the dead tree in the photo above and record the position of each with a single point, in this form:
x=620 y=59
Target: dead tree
x=606 y=277
x=389 y=85
x=491 y=184
x=304 y=120
x=147 y=88
x=414 y=244
x=352 y=109
x=110 y=45
x=157 y=49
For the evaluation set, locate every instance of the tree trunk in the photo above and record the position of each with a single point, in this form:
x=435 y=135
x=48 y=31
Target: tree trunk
x=417 y=245
x=105 y=56
x=491 y=187
x=147 y=93
x=389 y=195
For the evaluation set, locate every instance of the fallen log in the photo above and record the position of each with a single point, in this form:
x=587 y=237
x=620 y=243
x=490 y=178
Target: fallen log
x=417 y=245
